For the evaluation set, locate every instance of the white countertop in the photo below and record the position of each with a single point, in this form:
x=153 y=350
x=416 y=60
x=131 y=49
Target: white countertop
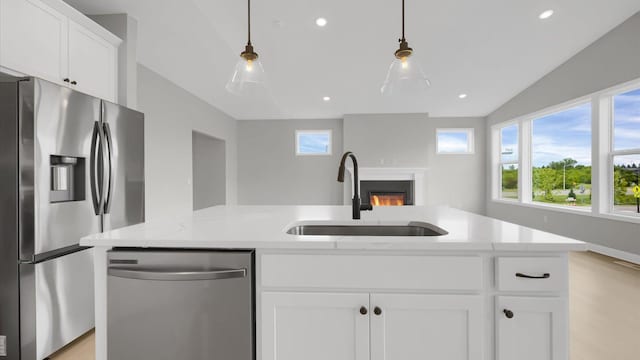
x=263 y=227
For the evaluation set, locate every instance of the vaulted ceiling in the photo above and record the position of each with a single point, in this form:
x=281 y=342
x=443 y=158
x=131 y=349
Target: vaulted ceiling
x=490 y=50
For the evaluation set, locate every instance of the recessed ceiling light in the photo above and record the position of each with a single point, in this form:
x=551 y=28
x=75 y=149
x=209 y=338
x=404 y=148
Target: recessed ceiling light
x=326 y=98
x=545 y=14
x=462 y=96
x=321 y=21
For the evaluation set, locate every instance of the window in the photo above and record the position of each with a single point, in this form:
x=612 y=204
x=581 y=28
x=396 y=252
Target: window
x=313 y=142
x=547 y=158
x=626 y=153
x=454 y=141
x=509 y=162
x=561 y=157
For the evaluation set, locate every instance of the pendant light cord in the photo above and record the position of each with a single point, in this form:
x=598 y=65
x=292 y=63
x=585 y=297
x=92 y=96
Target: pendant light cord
x=403 y=39
x=249 y=21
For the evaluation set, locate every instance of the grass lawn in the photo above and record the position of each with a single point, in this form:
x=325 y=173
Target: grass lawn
x=581 y=200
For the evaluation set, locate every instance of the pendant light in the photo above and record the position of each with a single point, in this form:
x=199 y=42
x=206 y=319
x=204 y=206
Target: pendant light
x=405 y=76
x=248 y=75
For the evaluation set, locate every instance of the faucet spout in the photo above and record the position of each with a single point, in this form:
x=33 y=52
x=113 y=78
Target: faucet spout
x=355 y=202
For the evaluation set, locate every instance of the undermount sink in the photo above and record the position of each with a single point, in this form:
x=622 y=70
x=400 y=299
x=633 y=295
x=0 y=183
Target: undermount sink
x=414 y=228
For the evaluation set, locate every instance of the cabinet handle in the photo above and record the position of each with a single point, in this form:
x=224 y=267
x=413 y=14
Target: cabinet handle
x=363 y=310
x=508 y=313
x=543 y=276
x=377 y=310
x=66 y=80
x=74 y=82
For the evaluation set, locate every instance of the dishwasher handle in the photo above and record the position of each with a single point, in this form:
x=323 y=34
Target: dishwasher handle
x=167 y=275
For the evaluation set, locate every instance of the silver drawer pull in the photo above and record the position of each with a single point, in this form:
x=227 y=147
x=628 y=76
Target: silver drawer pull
x=543 y=276
x=165 y=275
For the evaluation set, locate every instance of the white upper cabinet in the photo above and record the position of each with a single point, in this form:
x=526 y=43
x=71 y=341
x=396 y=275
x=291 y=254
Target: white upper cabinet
x=33 y=39
x=51 y=40
x=407 y=326
x=92 y=63
x=532 y=328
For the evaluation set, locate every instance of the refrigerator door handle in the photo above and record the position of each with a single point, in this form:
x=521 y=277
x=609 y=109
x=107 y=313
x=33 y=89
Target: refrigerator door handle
x=109 y=158
x=96 y=189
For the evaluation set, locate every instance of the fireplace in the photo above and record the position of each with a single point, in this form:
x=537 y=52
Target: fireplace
x=387 y=192
x=390 y=185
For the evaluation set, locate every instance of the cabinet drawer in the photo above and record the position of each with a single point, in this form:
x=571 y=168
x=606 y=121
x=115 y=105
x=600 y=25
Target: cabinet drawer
x=531 y=273
x=372 y=272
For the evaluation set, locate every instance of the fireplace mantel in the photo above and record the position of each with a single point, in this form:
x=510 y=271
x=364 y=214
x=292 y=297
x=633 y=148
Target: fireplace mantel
x=379 y=173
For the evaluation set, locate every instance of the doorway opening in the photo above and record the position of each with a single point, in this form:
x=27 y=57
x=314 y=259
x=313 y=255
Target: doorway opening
x=209 y=171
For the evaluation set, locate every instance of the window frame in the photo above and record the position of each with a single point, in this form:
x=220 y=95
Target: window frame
x=502 y=163
x=311 y=132
x=471 y=146
x=602 y=155
x=607 y=102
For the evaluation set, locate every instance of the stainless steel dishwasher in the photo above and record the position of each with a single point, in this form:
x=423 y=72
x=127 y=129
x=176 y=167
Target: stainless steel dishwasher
x=187 y=304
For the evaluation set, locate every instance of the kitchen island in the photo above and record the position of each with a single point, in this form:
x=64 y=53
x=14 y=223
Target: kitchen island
x=485 y=290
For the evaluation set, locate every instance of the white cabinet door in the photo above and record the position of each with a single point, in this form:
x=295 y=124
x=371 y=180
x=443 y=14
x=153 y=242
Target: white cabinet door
x=417 y=327
x=531 y=328
x=92 y=63
x=314 y=326
x=33 y=39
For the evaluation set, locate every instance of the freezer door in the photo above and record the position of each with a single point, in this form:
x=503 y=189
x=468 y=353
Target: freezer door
x=124 y=196
x=58 y=200
x=56 y=303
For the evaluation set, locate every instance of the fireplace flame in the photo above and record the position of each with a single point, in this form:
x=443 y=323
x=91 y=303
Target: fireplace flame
x=387 y=200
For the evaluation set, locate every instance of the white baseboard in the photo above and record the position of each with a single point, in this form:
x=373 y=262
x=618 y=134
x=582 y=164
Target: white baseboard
x=619 y=254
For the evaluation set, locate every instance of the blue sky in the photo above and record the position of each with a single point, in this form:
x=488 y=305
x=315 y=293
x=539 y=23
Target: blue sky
x=510 y=143
x=627 y=120
x=566 y=134
x=313 y=143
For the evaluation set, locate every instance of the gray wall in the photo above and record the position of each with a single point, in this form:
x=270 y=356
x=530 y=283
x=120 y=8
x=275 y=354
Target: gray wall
x=171 y=115
x=270 y=173
x=613 y=59
x=209 y=171
x=126 y=28
x=409 y=140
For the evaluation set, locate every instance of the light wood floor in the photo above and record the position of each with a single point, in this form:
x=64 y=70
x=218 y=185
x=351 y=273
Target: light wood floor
x=604 y=304
x=604 y=308
x=81 y=349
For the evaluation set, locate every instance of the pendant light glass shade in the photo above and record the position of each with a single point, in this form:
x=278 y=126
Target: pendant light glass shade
x=248 y=77
x=405 y=77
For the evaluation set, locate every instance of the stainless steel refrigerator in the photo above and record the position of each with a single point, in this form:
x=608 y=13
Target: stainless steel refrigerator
x=70 y=165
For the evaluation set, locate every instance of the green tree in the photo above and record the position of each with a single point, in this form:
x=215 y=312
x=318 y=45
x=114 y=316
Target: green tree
x=545 y=180
x=619 y=186
x=510 y=178
x=568 y=163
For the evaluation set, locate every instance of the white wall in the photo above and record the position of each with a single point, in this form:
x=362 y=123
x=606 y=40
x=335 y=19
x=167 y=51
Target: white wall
x=209 y=171
x=612 y=60
x=171 y=114
x=409 y=140
x=270 y=173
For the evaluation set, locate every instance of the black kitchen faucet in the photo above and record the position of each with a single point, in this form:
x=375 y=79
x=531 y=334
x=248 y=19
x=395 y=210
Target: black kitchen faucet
x=355 y=202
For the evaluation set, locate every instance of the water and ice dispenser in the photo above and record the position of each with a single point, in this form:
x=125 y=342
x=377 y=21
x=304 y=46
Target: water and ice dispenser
x=67 y=178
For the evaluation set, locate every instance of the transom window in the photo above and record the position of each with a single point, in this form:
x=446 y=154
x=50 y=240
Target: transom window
x=454 y=141
x=313 y=142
